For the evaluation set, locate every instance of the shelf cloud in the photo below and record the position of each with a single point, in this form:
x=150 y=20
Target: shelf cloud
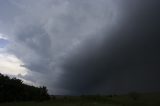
x=86 y=46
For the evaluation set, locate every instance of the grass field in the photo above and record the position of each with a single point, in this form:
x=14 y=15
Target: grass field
x=56 y=104
x=151 y=99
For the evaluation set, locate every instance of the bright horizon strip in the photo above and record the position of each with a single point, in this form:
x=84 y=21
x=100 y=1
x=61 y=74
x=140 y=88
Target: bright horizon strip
x=11 y=65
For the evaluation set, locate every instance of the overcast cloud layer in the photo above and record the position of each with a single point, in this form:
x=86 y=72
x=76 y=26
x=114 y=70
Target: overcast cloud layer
x=85 y=46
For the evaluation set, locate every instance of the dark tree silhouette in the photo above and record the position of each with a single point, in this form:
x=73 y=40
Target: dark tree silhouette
x=12 y=89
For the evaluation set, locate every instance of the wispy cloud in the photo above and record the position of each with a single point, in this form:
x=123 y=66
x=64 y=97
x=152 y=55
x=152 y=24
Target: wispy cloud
x=2 y=36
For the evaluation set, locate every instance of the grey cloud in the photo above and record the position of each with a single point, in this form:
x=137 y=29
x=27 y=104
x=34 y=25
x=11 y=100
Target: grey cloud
x=100 y=46
x=45 y=33
x=128 y=62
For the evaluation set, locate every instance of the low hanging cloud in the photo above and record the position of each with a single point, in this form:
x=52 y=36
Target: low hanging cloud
x=84 y=47
x=47 y=32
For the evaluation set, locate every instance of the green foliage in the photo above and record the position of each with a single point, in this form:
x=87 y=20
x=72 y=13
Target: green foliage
x=12 y=89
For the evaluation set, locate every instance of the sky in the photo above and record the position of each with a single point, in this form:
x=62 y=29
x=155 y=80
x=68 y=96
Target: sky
x=79 y=47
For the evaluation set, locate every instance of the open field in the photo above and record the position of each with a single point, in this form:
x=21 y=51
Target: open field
x=49 y=103
x=123 y=100
x=56 y=104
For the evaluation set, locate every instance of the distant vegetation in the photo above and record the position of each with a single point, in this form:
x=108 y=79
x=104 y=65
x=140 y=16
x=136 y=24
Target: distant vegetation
x=13 y=90
x=17 y=93
x=146 y=99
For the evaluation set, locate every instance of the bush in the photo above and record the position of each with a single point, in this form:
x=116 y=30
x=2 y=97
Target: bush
x=12 y=89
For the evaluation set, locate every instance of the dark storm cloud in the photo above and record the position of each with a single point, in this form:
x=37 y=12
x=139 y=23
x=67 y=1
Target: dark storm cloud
x=48 y=32
x=90 y=46
x=126 y=61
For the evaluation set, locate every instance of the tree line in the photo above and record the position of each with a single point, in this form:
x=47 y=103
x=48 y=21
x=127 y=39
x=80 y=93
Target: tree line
x=12 y=90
